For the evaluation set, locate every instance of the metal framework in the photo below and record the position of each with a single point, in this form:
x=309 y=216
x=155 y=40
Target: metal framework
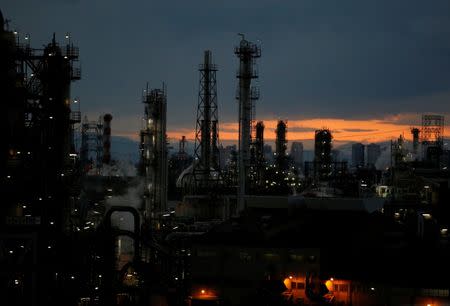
x=154 y=153
x=91 y=141
x=432 y=130
x=247 y=53
x=206 y=164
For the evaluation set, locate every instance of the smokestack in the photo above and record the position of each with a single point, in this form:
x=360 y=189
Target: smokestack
x=107 y=138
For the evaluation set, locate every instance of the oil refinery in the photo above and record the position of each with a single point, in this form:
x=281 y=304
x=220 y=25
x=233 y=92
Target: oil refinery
x=199 y=221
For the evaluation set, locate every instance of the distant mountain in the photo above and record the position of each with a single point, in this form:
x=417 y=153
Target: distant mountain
x=125 y=149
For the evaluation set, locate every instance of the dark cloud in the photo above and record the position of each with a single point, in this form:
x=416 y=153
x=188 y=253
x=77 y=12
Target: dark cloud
x=349 y=59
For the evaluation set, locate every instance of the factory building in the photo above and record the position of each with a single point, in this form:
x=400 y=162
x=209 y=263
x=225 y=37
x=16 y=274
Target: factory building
x=39 y=180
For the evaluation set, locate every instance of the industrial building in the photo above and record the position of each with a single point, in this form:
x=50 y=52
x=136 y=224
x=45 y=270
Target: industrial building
x=229 y=225
x=38 y=165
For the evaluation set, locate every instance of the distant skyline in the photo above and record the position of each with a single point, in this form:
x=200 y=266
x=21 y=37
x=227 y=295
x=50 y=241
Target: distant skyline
x=366 y=70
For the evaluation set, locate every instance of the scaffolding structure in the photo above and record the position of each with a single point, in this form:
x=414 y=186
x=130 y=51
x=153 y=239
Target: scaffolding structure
x=432 y=130
x=247 y=94
x=154 y=154
x=206 y=170
x=91 y=142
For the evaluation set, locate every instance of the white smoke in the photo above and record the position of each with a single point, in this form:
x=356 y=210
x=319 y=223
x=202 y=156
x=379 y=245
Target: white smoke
x=119 y=168
x=132 y=198
x=384 y=160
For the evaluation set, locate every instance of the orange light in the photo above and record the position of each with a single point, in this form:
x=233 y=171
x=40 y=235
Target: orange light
x=203 y=291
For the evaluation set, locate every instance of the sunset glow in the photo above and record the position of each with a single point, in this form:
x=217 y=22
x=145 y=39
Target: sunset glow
x=344 y=130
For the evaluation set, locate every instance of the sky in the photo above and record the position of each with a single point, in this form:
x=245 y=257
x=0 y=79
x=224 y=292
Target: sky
x=367 y=70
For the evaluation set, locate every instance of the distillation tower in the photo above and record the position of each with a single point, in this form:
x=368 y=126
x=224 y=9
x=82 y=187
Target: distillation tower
x=281 y=146
x=247 y=53
x=38 y=123
x=154 y=154
x=206 y=164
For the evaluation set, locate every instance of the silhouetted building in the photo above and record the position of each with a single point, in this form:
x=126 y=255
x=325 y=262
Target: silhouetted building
x=373 y=153
x=358 y=155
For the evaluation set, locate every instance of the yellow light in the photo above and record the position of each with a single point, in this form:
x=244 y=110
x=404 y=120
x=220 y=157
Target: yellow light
x=203 y=291
x=290 y=277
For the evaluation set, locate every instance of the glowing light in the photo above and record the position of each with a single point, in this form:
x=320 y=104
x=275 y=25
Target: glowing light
x=331 y=279
x=203 y=291
x=290 y=277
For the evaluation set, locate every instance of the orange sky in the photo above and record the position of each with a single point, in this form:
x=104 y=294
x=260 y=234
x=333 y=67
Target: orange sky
x=343 y=130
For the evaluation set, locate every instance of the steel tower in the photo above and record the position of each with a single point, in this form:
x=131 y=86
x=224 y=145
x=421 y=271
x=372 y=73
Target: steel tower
x=247 y=53
x=206 y=166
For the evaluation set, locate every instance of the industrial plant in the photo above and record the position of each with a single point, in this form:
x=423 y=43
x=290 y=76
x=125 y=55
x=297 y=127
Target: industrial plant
x=202 y=222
